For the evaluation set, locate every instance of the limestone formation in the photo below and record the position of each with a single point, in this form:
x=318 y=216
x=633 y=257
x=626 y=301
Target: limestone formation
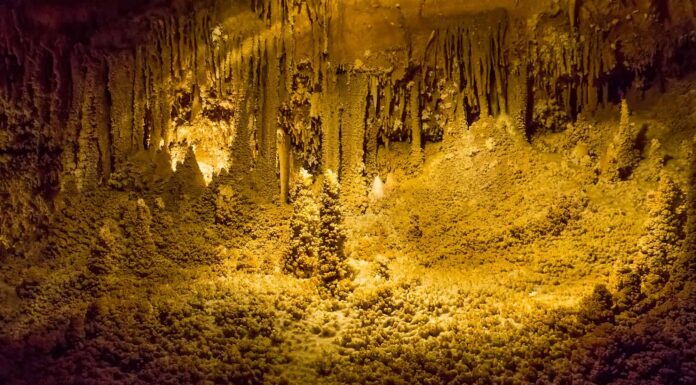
x=305 y=224
x=347 y=192
x=187 y=75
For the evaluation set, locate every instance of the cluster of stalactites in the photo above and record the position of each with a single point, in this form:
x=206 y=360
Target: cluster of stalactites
x=572 y=69
x=101 y=104
x=91 y=105
x=462 y=74
x=472 y=57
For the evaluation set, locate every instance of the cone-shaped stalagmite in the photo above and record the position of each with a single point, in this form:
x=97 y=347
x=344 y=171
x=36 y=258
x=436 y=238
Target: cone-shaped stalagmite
x=332 y=260
x=171 y=211
x=305 y=225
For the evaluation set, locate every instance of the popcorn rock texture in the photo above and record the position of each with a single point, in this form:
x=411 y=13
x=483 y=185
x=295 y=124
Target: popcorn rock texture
x=347 y=192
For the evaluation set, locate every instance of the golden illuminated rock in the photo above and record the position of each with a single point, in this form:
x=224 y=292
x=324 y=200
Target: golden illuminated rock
x=347 y=192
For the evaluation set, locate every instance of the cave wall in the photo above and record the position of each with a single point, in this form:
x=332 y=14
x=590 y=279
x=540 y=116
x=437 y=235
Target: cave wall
x=89 y=93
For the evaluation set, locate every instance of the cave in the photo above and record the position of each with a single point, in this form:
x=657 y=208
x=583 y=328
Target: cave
x=412 y=192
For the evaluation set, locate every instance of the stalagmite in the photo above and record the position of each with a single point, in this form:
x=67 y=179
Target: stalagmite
x=340 y=192
x=377 y=191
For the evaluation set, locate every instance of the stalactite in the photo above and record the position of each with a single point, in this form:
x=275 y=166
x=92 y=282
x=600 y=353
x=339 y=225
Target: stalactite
x=73 y=124
x=102 y=122
x=138 y=111
x=374 y=119
x=283 y=146
x=329 y=108
x=352 y=89
x=88 y=157
x=93 y=105
x=414 y=111
x=121 y=66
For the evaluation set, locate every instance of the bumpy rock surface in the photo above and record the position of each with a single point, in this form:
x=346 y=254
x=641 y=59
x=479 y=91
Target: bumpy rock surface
x=532 y=217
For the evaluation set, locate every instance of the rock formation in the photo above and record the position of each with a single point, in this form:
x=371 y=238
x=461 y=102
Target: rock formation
x=91 y=86
x=347 y=192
